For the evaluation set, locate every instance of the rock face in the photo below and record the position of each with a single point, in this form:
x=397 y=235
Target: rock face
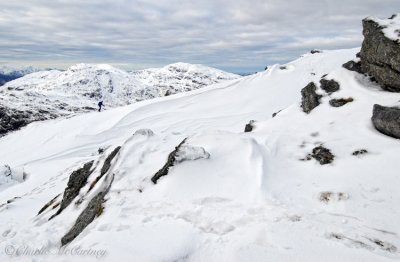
x=387 y=120
x=93 y=209
x=310 y=99
x=329 y=86
x=353 y=66
x=76 y=181
x=380 y=55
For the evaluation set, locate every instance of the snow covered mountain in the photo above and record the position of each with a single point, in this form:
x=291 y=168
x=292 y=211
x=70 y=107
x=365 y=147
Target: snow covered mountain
x=181 y=77
x=50 y=94
x=177 y=179
x=9 y=73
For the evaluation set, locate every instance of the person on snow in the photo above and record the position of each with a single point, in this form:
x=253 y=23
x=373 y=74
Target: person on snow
x=100 y=104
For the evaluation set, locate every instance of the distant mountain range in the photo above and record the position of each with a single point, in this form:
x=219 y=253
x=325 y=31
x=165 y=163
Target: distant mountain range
x=53 y=93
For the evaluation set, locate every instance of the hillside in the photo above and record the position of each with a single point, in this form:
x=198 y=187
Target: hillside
x=51 y=94
x=222 y=194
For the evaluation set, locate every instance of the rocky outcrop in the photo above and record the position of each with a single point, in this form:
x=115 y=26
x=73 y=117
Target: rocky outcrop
x=170 y=162
x=76 y=181
x=322 y=155
x=380 y=55
x=310 y=99
x=106 y=166
x=249 y=127
x=387 y=120
x=93 y=209
x=353 y=66
x=329 y=86
x=338 y=102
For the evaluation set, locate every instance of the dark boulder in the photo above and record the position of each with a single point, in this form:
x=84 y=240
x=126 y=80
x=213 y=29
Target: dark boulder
x=249 y=127
x=380 y=56
x=329 y=86
x=353 y=66
x=338 y=102
x=310 y=99
x=387 y=120
x=322 y=155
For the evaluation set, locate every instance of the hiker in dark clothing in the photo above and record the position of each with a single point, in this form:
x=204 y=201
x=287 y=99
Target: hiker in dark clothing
x=100 y=104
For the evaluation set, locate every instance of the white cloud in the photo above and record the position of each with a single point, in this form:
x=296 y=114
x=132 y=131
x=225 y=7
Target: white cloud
x=236 y=35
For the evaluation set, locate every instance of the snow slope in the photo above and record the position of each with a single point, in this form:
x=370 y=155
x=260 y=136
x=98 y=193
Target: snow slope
x=181 y=77
x=251 y=199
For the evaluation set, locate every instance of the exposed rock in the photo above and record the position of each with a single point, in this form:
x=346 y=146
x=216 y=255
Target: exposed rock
x=322 y=155
x=106 y=166
x=48 y=204
x=249 y=127
x=283 y=67
x=310 y=99
x=353 y=66
x=380 y=56
x=76 y=181
x=276 y=113
x=338 y=102
x=266 y=68
x=93 y=209
x=360 y=152
x=170 y=162
x=329 y=86
x=387 y=120
x=328 y=196
x=315 y=51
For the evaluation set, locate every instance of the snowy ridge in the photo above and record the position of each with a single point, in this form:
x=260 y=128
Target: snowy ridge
x=9 y=72
x=181 y=77
x=50 y=94
x=237 y=196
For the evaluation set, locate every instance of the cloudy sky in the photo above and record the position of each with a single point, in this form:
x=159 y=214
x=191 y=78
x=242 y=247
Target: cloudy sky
x=234 y=35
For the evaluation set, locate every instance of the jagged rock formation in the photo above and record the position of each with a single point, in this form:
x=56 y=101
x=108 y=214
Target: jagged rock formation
x=338 y=102
x=329 y=86
x=93 y=209
x=387 y=120
x=180 y=154
x=353 y=66
x=310 y=99
x=170 y=162
x=380 y=51
x=106 y=166
x=76 y=181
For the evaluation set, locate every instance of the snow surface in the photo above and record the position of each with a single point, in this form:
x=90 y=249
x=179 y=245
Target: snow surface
x=391 y=26
x=252 y=199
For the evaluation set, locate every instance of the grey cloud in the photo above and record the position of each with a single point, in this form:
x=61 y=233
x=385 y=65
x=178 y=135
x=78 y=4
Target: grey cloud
x=233 y=35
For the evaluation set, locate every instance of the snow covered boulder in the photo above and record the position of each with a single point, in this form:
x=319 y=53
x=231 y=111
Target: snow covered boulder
x=310 y=99
x=180 y=154
x=10 y=176
x=353 y=66
x=387 y=120
x=380 y=51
